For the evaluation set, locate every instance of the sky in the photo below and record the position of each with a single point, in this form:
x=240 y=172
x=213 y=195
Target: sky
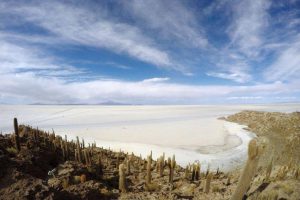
x=149 y=52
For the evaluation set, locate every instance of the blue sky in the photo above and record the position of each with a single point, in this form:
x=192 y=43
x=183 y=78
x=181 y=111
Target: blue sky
x=149 y=52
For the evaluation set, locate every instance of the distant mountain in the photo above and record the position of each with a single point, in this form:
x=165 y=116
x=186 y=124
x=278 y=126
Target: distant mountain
x=113 y=103
x=106 y=103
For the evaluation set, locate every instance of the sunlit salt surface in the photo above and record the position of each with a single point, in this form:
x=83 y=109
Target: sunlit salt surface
x=190 y=132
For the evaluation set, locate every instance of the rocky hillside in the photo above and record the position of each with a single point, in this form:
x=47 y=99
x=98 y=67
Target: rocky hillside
x=281 y=158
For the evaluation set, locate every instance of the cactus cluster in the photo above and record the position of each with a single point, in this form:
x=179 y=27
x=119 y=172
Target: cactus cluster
x=154 y=173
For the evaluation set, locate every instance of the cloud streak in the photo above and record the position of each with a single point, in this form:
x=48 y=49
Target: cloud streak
x=160 y=16
x=250 y=20
x=81 y=26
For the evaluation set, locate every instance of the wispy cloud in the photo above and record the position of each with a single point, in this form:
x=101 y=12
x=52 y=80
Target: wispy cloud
x=172 y=20
x=287 y=66
x=31 y=88
x=117 y=65
x=236 y=76
x=80 y=26
x=250 y=20
x=245 y=98
x=156 y=80
x=247 y=24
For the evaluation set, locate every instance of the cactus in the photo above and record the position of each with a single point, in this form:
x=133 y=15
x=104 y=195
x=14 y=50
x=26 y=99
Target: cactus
x=122 y=184
x=193 y=172
x=296 y=172
x=148 y=176
x=128 y=163
x=172 y=168
x=35 y=136
x=254 y=153
x=207 y=183
x=269 y=170
x=76 y=155
x=228 y=180
x=83 y=143
x=83 y=178
x=65 y=183
x=208 y=169
x=163 y=160
x=17 y=138
x=63 y=150
x=86 y=157
x=144 y=164
x=118 y=160
x=161 y=166
x=78 y=150
x=197 y=171
x=100 y=166
x=186 y=172
x=66 y=146
x=157 y=165
x=76 y=179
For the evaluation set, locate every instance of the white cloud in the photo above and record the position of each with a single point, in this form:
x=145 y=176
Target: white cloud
x=15 y=58
x=75 y=25
x=29 y=73
x=286 y=66
x=236 y=76
x=156 y=80
x=117 y=65
x=250 y=20
x=171 y=19
x=31 y=88
x=245 y=98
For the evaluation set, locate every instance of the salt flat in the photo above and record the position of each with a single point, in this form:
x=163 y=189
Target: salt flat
x=190 y=132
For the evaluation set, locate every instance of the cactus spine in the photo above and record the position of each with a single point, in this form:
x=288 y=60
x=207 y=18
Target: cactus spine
x=254 y=153
x=17 y=138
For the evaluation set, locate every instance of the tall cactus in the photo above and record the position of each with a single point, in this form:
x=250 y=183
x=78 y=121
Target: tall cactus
x=254 y=153
x=17 y=138
x=122 y=184
x=161 y=166
x=207 y=183
x=78 y=150
x=172 y=168
x=269 y=170
x=187 y=172
x=148 y=176
x=197 y=171
x=86 y=157
x=128 y=163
